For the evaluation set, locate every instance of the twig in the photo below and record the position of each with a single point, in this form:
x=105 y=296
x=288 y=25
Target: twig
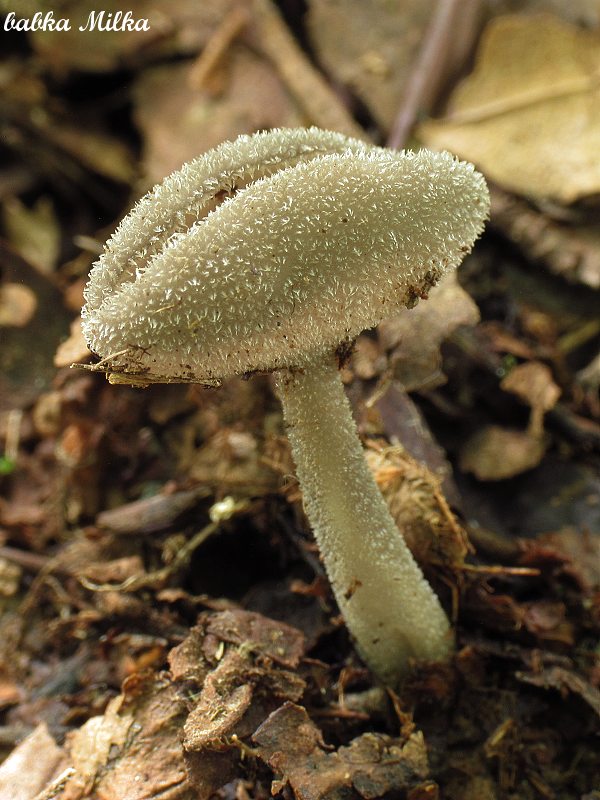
x=431 y=65
x=30 y=561
x=220 y=512
x=160 y=576
x=319 y=102
x=57 y=785
x=230 y=28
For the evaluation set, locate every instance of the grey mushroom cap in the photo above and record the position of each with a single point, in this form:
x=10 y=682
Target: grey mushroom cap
x=303 y=256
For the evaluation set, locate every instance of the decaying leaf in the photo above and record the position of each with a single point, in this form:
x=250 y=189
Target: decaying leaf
x=414 y=336
x=571 y=552
x=186 y=27
x=564 y=680
x=238 y=667
x=370 y=46
x=533 y=384
x=401 y=420
x=34 y=233
x=133 y=750
x=529 y=114
x=74 y=349
x=369 y=767
x=495 y=453
x=17 y=305
x=252 y=98
x=30 y=766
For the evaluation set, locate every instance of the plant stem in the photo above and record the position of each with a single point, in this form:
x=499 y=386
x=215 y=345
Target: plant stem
x=390 y=609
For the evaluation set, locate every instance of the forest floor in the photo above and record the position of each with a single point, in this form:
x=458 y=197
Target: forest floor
x=166 y=626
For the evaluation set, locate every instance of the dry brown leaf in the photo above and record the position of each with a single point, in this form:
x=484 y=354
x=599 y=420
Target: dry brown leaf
x=182 y=28
x=150 y=514
x=372 y=764
x=17 y=305
x=496 y=453
x=399 y=418
x=561 y=679
x=74 y=349
x=30 y=766
x=133 y=750
x=415 y=335
x=237 y=667
x=98 y=151
x=529 y=114
x=253 y=98
x=370 y=46
x=571 y=552
x=33 y=232
x=533 y=384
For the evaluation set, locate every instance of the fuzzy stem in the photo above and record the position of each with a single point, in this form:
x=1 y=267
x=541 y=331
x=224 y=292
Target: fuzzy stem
x=390 y=609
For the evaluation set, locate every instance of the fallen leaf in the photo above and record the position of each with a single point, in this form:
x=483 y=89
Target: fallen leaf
x=150 y=513
x=33 y=232
x=533 y=384
x=17 y=305
x=184 y=29
x=369 y=47
x=74 y=349
x=555 y=677
x=30 y=766
x=133 y=751
x=496 y=453
x=372 y=764
x=233 y=665
x=253 y=98
x=414 y=336
x=570 y=551
x=529 y=114
x=401 y=420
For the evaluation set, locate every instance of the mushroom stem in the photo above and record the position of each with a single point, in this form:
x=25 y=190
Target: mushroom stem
x=389 y=608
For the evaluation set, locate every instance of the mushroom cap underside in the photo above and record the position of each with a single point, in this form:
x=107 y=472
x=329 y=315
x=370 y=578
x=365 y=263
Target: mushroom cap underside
x=289 y=267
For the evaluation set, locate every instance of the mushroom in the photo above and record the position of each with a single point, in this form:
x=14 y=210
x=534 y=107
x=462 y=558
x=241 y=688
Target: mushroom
x=271 y=254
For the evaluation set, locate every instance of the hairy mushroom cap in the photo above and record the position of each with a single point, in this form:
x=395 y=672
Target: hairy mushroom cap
x=334 y=237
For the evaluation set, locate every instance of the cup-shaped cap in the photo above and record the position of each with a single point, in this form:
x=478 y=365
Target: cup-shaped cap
x=328 y=242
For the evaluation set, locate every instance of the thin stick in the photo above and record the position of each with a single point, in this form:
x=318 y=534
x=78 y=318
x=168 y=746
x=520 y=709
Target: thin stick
x=318 y=101
x=431 y=65
x=217 y=46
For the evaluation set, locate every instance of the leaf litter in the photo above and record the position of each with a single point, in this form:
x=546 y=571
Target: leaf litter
x=166 y=629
